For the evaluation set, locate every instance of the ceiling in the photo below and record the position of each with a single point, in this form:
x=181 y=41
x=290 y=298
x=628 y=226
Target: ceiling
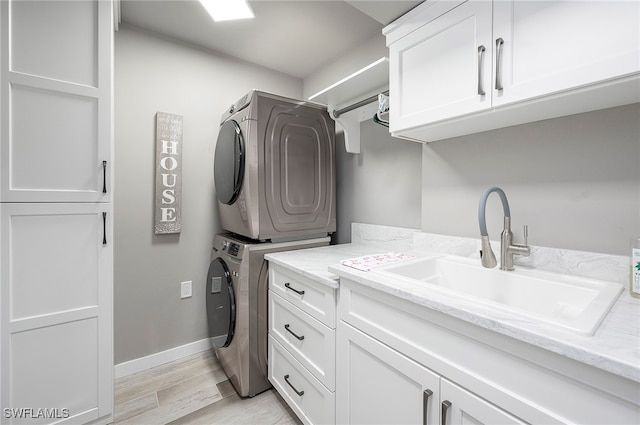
x=295 y=37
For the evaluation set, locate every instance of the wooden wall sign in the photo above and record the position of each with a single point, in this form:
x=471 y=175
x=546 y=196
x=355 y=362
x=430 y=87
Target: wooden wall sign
x=168 y=207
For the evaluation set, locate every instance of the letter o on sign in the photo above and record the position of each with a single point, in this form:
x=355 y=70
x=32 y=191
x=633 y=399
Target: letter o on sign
x=172 y=160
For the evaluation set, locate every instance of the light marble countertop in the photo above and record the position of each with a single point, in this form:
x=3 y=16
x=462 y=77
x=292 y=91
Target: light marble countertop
x=615 y=346
x=314 y=262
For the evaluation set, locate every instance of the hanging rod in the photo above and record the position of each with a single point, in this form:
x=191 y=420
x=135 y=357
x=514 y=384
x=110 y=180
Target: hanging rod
x=336 y=114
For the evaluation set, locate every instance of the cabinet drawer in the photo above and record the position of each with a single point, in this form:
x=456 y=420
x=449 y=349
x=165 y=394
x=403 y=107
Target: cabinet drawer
x=309 y=296
x=307 y=340
x=311 y=400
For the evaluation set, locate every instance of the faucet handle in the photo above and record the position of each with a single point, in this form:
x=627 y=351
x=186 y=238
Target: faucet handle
x=526 y=234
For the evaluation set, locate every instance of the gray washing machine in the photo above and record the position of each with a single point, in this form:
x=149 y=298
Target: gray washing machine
x=237 y=307
x=274 y=168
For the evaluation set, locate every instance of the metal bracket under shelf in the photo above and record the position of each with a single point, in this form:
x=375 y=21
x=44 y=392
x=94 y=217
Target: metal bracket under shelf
x=349 y=119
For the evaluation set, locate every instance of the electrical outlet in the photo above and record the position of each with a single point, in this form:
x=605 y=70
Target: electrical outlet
x=185 y=289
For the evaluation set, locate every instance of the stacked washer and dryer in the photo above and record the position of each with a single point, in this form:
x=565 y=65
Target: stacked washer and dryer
x=274 y=173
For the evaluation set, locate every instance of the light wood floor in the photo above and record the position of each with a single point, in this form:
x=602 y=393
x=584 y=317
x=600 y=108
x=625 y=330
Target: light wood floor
x=193 y=390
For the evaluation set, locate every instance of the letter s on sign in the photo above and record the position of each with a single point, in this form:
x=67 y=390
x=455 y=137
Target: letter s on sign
x=168 y=196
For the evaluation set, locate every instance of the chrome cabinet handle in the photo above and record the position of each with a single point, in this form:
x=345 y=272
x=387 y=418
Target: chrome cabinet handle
x=481 y=50
x=288 y=286
x=300 y=393
x=425 y=406
x=445 y=408
x=499 y=44
x=300 y=338
x=104 y=228
x=104 y=176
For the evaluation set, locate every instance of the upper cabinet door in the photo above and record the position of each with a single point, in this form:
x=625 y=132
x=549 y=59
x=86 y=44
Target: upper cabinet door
x=441 y=69
x=56 y=82
x=548 y=47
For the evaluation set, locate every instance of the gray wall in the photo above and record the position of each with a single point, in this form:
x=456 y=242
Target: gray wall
x=153 y=74
x=381 y=185
x=574 y=180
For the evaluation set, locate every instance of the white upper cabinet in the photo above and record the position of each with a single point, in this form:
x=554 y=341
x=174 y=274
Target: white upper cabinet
x=551 y=46
x=56 y=101
x=460 y=67
x=433 y=75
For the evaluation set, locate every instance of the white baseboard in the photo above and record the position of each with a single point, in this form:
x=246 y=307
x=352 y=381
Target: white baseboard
x=153 y=360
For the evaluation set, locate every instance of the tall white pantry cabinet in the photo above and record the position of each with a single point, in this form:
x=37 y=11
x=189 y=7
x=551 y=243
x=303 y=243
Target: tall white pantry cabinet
x=56 y=215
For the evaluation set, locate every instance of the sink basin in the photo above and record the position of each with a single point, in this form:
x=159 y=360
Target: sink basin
x=574 y=303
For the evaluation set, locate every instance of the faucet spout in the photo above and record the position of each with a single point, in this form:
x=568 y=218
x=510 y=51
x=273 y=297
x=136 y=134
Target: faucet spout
x=507 y=248
x=487 y=257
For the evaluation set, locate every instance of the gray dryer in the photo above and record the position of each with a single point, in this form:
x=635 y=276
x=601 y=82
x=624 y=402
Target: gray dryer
x=274 y=169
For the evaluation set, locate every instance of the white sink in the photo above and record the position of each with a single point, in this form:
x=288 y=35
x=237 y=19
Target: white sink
x=574 y=303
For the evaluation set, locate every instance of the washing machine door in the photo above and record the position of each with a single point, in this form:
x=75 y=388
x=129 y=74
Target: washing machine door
x=228 y=167
x=221 y=304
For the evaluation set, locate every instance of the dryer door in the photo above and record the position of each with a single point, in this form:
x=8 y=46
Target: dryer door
x=228 y=167
x=221 y=304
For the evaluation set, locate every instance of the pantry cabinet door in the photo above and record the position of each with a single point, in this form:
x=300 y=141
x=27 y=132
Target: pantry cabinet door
x=56 y=349
x=552 y=46
x=377 y=385
x=55 y=110
x=441 y=69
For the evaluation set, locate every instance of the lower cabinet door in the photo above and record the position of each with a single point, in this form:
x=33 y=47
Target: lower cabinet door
x=459 y=406
x=56 y=347
x=309 y=399
x=377 y=385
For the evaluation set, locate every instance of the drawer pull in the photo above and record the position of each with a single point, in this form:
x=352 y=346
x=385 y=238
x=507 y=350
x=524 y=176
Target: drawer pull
x=104 y=228
x=425 y=406
x=300 y=338
x=288 y=286
x=499 y=45
x=481 y=50
x=445 y=408
x=104 y=176
x=300 y=393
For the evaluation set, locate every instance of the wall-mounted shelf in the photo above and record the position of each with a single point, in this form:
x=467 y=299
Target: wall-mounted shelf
x=362 y=84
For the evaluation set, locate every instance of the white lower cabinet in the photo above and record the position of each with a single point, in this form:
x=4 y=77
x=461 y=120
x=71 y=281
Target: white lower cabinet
x=400 y=363
x=302 y=344
x=56 y=346
x=357 y=355
x=379 y=385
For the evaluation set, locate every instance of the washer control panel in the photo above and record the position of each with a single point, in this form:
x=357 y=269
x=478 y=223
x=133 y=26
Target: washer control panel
x=233 y=249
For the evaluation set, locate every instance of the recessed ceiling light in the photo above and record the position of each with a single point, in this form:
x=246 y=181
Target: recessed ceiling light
x=228 y=10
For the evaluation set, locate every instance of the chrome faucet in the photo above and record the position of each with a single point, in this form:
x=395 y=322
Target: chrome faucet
x=507 y=248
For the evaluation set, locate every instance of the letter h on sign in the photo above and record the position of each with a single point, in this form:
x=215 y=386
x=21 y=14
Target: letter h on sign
x=168 y=207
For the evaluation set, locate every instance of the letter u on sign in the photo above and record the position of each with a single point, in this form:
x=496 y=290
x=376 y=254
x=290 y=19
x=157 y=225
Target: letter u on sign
x=168 y=208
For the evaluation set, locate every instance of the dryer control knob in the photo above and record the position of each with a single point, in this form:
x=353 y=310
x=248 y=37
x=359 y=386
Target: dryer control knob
x=231 y=109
